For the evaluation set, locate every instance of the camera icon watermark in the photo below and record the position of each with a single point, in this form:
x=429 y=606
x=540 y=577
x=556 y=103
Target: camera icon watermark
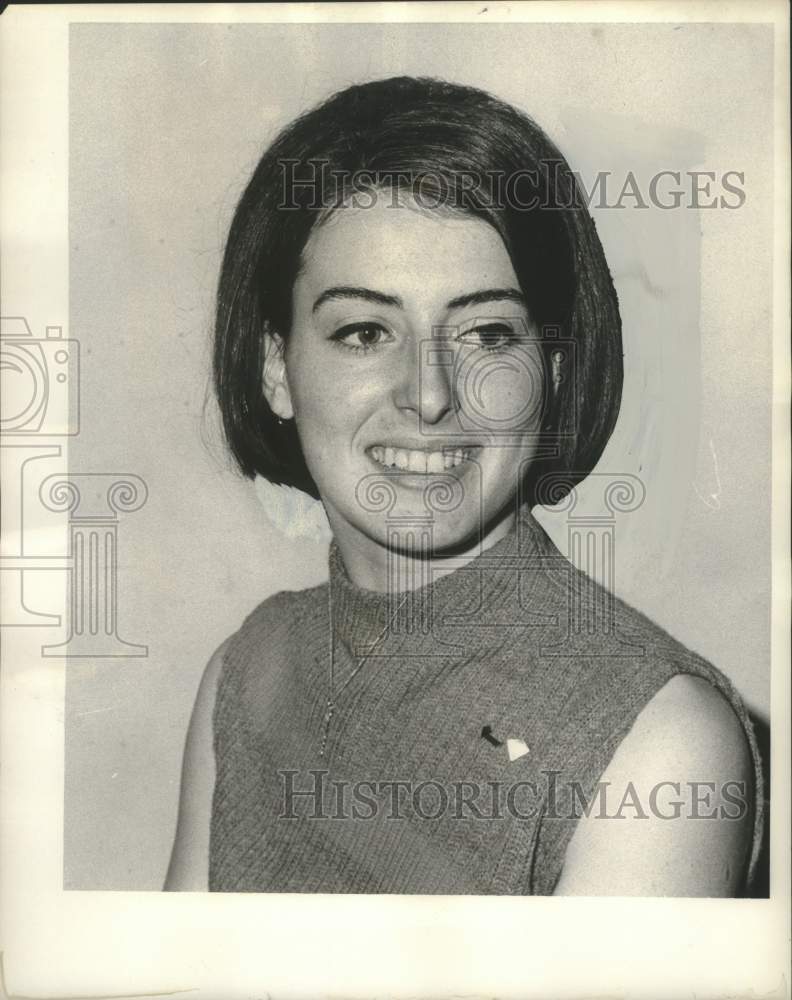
x=40 y=380
x=502 y=376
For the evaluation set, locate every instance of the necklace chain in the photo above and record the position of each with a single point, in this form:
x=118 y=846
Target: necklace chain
x=332 y=693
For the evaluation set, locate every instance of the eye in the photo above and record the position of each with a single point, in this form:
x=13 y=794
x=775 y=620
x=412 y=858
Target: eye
x=490 y=336
x=362 y=336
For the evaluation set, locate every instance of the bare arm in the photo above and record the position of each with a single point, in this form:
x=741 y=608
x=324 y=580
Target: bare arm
x=687 y=734
x=189 y=863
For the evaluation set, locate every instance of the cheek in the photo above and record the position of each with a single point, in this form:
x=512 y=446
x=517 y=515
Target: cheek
x=330 y=401
x=502 y=392
x=313 y=392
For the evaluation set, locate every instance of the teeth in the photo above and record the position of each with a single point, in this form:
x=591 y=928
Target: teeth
x=418 y=461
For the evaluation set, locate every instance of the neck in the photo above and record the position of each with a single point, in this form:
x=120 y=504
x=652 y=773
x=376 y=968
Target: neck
x=374 y=566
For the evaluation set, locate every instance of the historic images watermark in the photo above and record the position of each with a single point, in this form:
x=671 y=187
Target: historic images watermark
x=313 y=185
x=313 y=795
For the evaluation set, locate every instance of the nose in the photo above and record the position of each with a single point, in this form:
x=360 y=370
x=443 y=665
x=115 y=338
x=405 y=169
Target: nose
x=425 y=385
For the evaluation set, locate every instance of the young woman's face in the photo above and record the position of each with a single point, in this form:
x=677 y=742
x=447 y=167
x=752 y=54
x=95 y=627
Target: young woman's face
x=412 y=362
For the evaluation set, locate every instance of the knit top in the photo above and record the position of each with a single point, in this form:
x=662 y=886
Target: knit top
x=473 y=719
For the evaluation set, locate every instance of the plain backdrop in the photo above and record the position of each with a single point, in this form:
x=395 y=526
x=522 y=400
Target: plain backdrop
x=166 y=124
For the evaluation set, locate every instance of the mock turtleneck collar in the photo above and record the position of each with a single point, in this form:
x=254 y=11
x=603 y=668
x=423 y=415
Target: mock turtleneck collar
x=360 y=617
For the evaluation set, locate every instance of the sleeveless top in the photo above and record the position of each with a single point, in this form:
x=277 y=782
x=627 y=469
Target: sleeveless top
x=473 y=720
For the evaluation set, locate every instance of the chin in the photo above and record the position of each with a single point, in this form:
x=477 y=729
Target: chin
x=447 y=535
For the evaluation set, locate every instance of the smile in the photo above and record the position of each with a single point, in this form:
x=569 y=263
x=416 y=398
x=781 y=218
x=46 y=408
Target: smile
x=411 y=460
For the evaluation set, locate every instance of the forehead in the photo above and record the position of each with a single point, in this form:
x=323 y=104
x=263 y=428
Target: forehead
x=401 y=245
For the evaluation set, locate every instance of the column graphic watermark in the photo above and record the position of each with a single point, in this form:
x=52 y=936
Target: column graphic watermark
x=409 y=531
x=591 y=628
x=93 y=502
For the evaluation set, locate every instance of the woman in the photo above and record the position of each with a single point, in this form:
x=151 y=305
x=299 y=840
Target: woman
x=416 y=325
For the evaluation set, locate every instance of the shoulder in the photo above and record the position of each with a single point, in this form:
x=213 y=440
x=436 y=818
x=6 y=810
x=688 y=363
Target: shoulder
x=261 y=656
x=275 y=609
x=682 y=710
x=654 y=677
x=693 y=719
x=680 y=796
x=688 y=730
x=284 y=608
x=271 y=624
x=189 y=863
x=207 y=689
x=275 y=620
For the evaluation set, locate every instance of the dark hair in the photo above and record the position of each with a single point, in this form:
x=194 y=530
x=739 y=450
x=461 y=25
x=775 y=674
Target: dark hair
x=471 y=154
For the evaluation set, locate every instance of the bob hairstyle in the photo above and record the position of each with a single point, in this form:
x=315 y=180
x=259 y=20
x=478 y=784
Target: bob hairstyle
x=451 y=148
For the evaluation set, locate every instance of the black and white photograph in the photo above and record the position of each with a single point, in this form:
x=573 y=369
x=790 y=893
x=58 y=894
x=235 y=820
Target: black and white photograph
x=395 y=440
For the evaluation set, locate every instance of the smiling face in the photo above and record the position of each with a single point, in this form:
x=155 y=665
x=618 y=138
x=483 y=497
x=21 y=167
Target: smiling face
x=412 y=362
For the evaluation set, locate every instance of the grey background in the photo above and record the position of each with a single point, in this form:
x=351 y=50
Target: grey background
x=166 y=123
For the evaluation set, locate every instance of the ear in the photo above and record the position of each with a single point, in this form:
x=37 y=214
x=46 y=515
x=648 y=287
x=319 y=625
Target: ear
x=274 y=381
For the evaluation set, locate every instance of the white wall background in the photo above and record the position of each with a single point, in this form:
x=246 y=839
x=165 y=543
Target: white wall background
x=166 y=123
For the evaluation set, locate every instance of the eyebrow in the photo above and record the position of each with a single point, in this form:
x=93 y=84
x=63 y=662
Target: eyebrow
x=487 y=295
x=380 y=298
x=354 y=292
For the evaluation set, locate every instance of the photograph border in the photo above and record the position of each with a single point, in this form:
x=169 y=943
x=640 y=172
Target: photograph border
x=58 y=943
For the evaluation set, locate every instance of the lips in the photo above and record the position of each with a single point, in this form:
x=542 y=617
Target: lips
x=417 y=460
